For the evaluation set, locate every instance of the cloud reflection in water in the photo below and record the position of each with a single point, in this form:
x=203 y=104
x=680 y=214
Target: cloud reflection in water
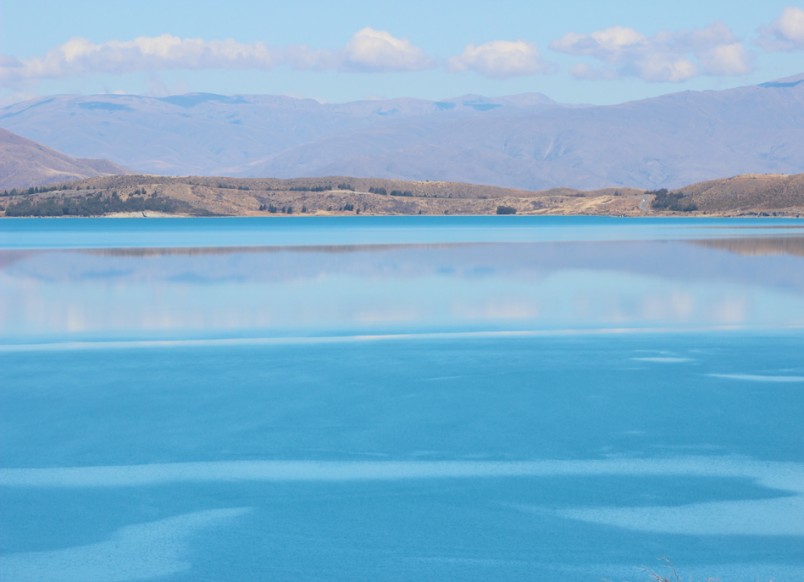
x=289 y=291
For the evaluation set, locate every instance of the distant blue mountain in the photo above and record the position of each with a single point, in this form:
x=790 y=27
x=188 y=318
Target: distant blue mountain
x=526 y=141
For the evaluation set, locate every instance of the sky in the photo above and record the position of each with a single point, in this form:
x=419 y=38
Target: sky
x=573 y=51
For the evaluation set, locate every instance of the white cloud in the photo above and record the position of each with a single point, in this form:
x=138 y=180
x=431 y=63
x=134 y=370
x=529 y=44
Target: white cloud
x=786 y=33
x=368 y=50
x=608 y=45
x=670 y=56
x=80 y=56
x=501 y=59
x=664 y=67
x=378 y=50
x=725 y=59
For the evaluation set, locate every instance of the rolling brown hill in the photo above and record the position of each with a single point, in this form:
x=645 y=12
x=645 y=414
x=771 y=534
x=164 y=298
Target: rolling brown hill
x=749 y=193
x=25 y=163
x=321 y=196
x=142 y=195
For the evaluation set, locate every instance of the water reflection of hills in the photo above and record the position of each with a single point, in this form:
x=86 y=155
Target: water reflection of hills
x=758 y=246
x=194 y=251
x=392 y=288
x=765 y=261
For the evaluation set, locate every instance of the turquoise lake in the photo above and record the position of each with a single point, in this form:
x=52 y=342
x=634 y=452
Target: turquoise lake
x=401 y=398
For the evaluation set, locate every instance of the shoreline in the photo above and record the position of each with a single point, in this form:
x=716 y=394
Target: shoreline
x=160 y=215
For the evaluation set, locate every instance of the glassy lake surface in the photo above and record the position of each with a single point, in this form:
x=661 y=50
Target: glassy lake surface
x=483 y=398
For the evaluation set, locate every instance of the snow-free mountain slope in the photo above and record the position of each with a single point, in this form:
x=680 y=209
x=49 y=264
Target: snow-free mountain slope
x=524 y=141
x=24 y=163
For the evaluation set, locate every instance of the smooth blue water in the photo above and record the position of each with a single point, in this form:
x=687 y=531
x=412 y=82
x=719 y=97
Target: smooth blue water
x=367 y=230
x=516 y=405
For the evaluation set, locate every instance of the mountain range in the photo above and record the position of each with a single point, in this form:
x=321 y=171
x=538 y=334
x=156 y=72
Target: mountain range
x=25 y=163
x=524 y=141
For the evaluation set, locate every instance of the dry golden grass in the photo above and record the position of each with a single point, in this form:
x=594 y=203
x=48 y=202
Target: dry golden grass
x=772 y=195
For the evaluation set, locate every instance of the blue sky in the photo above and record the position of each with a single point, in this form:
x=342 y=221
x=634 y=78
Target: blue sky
x=573 y=51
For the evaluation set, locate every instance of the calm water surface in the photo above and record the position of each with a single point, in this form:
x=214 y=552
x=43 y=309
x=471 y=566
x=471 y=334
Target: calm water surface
x=491 y=398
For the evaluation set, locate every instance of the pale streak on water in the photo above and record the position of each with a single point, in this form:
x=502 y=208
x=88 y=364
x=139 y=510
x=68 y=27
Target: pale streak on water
x=401 y=398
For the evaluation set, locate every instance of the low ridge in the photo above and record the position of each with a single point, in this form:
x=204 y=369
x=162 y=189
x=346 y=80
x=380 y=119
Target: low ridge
x=25 y=163
x=147 y=195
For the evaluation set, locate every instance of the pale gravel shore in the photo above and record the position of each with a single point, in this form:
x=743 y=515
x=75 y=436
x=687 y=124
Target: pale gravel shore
x=142 y=214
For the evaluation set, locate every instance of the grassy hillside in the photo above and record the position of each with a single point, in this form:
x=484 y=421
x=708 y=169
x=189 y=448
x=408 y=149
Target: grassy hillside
x=138 y=195
x=749 y=193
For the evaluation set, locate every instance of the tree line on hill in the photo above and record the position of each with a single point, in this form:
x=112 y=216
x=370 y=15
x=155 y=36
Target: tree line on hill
x=674 y=201
x=30 y=191
x=91 y=205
